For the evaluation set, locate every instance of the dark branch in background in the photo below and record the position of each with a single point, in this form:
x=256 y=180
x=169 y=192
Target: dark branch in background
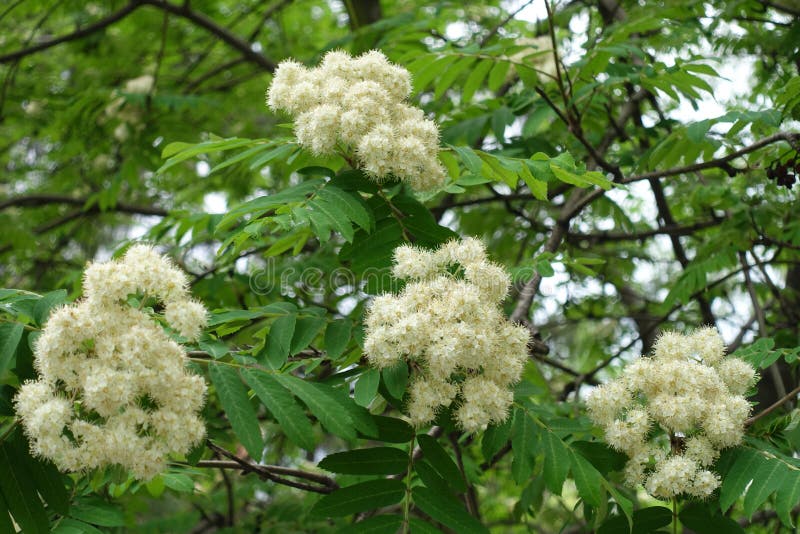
x=680 y=253
x=183 y=11
x=720 y=163
x=44 y=199
x=223 y=33
x=77 y=34
x=774 y=372
x=789 y=10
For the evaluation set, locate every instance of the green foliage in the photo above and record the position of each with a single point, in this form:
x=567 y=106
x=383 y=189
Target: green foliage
x=635 y=179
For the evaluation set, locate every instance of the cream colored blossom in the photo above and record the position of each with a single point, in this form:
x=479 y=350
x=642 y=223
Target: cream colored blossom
x=451 y=328
x=692 y=395
x=360 y=105
x=112 y=386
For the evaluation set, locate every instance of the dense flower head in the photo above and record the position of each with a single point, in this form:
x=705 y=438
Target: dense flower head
x=448 y=324
x=691 y=392
x=360 y=105
x=112 y=386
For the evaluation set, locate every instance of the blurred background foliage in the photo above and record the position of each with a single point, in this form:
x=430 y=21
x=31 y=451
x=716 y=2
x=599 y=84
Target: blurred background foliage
x=686 y=112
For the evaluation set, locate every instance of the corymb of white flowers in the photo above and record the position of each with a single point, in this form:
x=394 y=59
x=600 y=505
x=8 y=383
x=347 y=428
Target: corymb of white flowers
x=448 y=325
x=112 y=386
x=359 y=106
x=673 y=412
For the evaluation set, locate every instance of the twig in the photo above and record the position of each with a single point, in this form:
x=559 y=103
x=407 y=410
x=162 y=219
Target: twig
x=774 y=406
x=321 y=483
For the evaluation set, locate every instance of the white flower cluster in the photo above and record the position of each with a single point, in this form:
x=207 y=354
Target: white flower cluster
x=694 y=394
x=452 y=331
x=112 y=385
x=359 y=104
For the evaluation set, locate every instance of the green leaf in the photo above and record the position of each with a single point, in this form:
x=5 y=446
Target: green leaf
x=155 y=486
x=47 y=480
x=556 y=463
x=362 y=419
x=337 y=336
x=494 y=438
x=279 y=340
x=497 y=76
x=179 y=152
x=281 y=404
x=433 y=480
x=305 y=330
x=178 y=482
x=259 y=206
x=447 y=510
x=538 y=187
x=395 y=378
x=450 y=75
x=98 y=512
x=645 y=521
x=696 y=132
x=769 y=477
x=747 y=462
x=10 y=335
x=432 y=70
x=587 y=479
x=523 y=442
x=233 y=397
x=20 y=495
x=470 y=158
x=392 y=430
x=544 y=268
x=419 y=526
x=379 y=524
x=701 y=520
x=371 y=461
x=5 y=519
x=442 y=462
x=360 y=498
x=324 y=406
x=475 y=80
x=788 y=497
x=367 y=387
x=69 y=525
x=338 y=218
x=48 y=301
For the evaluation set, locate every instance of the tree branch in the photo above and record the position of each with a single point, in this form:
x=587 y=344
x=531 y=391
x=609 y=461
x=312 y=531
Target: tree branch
x=44 y=199
x=184 y=11
x=77 y=34
x=208 y=24
x=777 y=404
x=321 y=483
x=789 y=137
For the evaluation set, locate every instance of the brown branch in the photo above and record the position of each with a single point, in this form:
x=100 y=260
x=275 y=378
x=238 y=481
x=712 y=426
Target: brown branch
x=777 y=404
x=321 y=483
x=529 y=290
x=471 y=498
x=774 y=372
